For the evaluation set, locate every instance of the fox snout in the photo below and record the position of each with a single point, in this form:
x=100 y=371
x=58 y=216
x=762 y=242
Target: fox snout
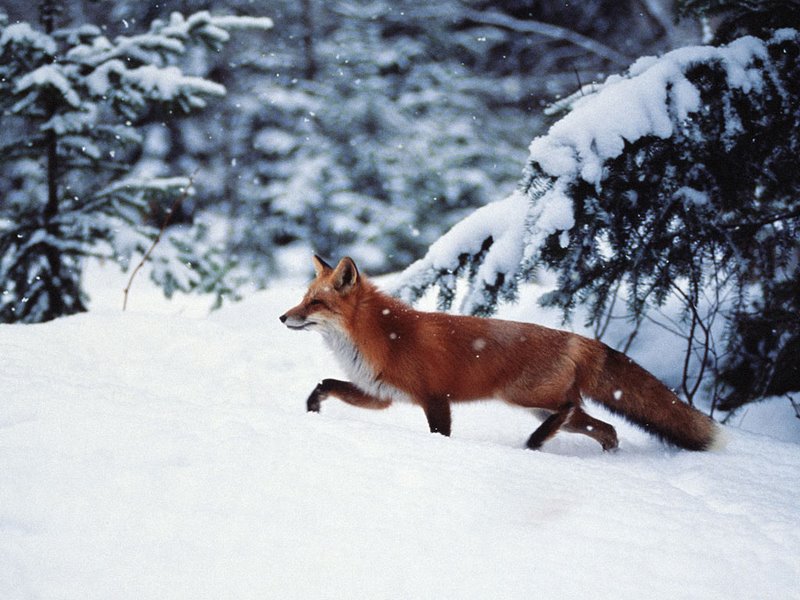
x=295 y=319
x=292 y=321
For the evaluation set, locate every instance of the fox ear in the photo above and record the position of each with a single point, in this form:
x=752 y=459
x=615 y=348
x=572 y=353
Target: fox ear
x=345 y=276
x=320 y=266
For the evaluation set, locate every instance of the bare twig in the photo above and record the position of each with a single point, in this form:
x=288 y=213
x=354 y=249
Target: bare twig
x=688 y=356
x=697 y=321
x=578 y=77
x=658 y=12
x=602 y=326
x=548 y=30
x=632 y=336
x=167 y=218
x=794 y=405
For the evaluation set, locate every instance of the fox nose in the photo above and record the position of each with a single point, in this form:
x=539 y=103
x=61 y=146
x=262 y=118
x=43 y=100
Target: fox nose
x=282 y=318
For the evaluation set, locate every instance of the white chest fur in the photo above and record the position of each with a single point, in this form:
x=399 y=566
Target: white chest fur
x=358 y=369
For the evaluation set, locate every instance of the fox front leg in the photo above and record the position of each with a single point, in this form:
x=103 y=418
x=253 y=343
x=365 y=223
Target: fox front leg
x=314 y=399
x=437 y=411
x=345 y=391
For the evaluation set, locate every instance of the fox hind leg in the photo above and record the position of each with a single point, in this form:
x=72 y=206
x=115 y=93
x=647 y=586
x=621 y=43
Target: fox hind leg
x=550 y=426
x=602 y=432
x=571 y=417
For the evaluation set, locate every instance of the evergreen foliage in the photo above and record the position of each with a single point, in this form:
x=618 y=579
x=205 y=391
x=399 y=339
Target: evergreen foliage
x=364 y=127
x=73 y=102
x=711 y=211
x=369 y=127
x=685 y=189
x=363 y=140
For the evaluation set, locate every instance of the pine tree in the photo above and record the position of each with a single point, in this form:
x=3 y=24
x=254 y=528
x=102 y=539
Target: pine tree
x=712 y=212
x=74 y=101
x=678 y=179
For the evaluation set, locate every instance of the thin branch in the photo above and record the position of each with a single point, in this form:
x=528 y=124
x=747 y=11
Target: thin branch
x=632 y=336
x=601 y=328
x=688 y=357
x=793 y=214
x=578 y=77
x=551 y=31
x=795 y=405
x=657 y=12
x=167 y=218
x=665 y=327
x=698 y=321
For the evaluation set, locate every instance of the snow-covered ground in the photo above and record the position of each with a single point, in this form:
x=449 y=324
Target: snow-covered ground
x=164 y=453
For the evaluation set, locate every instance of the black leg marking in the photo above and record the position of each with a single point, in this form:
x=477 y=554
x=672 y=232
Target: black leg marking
x=315 y=398
x=438 y=414
x=548 y=429
x=346 y=391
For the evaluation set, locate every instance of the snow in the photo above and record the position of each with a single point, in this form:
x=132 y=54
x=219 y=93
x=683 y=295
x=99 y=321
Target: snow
x=166 y=83
x=161 y=83
x=165 y=453
x=242 y=22
x=46 y=76
x=164 y=38
x=504 y=221
x=653 y=96
x=147 y=183
x=692 y=195
x=273 y=140
x=552 y=213
x=21 y=34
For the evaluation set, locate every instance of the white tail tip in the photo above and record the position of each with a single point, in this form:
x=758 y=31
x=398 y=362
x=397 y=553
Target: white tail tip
x=719 y=441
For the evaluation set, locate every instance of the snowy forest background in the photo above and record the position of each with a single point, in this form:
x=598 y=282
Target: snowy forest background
x=398 y=132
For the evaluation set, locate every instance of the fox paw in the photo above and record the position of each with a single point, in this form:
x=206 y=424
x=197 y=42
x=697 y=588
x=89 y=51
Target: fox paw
x=312 y=404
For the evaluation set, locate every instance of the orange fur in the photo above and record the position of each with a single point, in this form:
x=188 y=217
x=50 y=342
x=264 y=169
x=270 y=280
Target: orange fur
x=394 y=352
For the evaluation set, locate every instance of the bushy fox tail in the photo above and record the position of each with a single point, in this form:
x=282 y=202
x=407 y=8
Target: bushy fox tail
x=632 y=392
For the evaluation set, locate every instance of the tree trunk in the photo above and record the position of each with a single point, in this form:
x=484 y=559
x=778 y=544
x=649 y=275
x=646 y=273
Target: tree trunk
x=307 y=16
x=59 y=283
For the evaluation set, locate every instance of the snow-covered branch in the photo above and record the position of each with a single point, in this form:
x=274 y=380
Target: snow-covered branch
x=487 y=245
x=656 y=98
x=676 y=179
x=165 y=38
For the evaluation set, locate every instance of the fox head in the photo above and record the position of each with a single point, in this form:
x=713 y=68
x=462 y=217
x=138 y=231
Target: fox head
x=326 y=304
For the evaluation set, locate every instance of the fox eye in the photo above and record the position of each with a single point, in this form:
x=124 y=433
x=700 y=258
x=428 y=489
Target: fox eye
x=316 y=302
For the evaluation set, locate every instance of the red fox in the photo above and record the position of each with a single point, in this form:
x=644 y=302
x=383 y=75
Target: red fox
x=392 y=352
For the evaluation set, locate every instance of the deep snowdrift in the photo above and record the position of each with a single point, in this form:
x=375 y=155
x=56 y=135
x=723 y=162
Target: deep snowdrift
x=153 y=454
